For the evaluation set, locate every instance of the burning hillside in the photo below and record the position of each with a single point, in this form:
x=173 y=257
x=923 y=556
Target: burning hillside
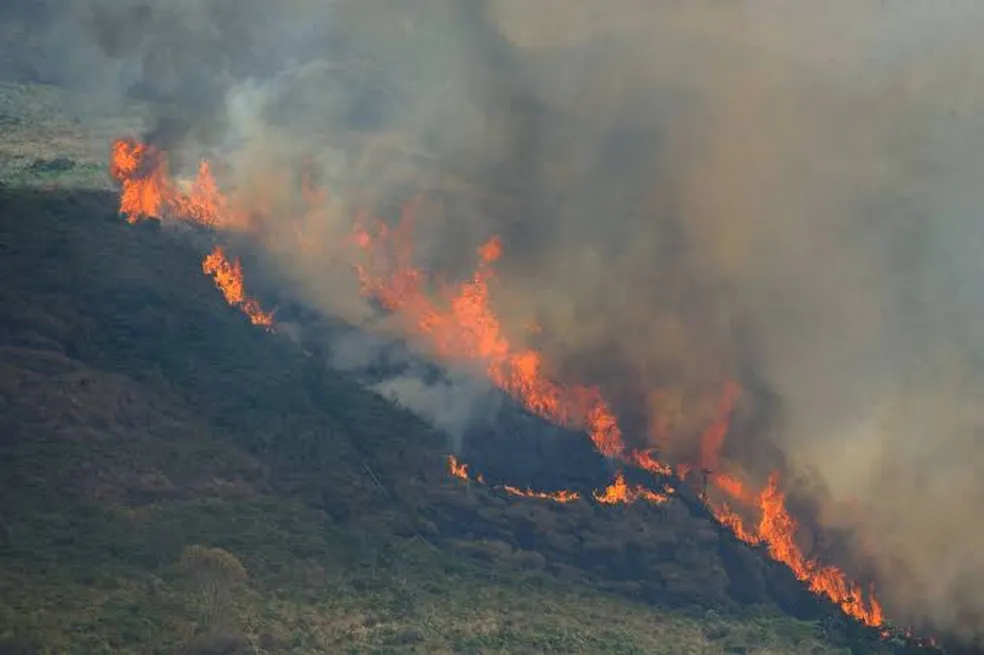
x=456 y=322
x=736 y=251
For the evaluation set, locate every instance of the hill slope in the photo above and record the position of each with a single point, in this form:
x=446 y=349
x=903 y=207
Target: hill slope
x=141 y=418
x=141 y=415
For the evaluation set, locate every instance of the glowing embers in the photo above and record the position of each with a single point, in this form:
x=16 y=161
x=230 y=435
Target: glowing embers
x=616 y=493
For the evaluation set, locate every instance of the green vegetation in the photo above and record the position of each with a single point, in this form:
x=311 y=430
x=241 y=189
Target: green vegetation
x=173 y=479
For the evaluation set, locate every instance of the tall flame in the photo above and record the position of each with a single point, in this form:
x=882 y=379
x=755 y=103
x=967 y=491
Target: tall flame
x=459 y=323
x=141 y=171
x=461 y=326
x=147 y=190
x=464 y=327
x=777 y=530
x=713 y=437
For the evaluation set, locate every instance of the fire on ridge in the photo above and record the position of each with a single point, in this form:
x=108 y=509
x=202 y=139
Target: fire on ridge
x=460 y=324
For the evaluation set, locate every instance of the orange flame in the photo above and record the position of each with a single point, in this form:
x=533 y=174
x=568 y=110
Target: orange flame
x=645 y=460
x=713 y=437
x=620 y=492
x=617 y=492
x=147 y=191
x=777 y=531
x=561 y=496
x=456 y=468
x=460 y=471
x=729 y=519
x=203 y=203
x=734 y=488
x=228 y=278
x=462 y=327
x=142 y=173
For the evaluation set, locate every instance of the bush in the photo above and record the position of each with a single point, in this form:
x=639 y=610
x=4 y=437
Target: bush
x=214 y=574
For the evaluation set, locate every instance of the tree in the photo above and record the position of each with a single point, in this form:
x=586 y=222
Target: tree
x=215 y=575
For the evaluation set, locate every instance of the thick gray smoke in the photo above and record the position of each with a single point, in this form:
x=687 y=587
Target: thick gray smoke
x=778 y=192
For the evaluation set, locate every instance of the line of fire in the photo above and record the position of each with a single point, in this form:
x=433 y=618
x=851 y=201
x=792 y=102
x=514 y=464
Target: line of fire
x=459 y=323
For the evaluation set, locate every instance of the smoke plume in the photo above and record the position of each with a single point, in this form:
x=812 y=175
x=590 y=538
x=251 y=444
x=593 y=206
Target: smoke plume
x=777 y=193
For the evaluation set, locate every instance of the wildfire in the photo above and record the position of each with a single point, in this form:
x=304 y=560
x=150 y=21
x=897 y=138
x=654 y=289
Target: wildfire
x=713 y=437
x=776 y=530
x=461 y=326
x=147 y=191
x=228 y=278
x=459 y=470
x=620 y=492
x=562 y=496
x=616 y=493
x=646 y=461
x=459 y=323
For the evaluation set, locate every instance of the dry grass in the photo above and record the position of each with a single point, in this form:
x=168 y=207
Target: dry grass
x=499 y=620
x=56 y=135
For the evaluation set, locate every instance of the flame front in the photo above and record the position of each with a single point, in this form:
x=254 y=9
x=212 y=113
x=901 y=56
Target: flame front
x=776 y=530
x=620 y=492
x=458 y=322
x=460 y=471
x=461 y=326
x=147 y=190
x=141 y=171
x=562 y=496
x=616 y=493
x=228 y=278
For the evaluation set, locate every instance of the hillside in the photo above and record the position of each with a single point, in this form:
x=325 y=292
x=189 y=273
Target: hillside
x=145 y=422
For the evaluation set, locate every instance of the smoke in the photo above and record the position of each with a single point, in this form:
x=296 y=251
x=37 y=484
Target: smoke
x=450 y=398
x=688 y=192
